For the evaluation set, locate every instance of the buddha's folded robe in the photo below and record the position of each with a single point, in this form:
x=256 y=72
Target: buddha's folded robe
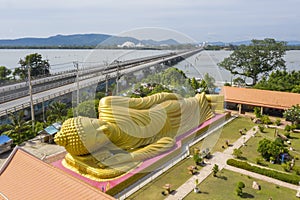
x=131 y=123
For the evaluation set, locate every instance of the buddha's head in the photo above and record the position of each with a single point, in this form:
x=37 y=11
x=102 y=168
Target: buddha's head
x=81 y=135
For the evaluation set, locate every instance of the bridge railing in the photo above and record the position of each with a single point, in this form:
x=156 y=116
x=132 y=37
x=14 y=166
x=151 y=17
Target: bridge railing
x=94 y=79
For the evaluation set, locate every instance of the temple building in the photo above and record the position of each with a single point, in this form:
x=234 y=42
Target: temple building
x=272 y=103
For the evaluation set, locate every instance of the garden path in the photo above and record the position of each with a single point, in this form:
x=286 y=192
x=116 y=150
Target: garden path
x=220 y=159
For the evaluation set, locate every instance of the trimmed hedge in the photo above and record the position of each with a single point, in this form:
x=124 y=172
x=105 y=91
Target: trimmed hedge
x=289 y=178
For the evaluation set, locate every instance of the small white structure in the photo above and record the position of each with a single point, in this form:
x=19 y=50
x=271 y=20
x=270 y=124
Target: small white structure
x=255 y=185
x=298 y=193
x=127 y=44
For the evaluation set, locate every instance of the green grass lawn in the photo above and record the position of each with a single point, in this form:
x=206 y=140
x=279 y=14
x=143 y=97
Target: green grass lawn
x=178 y=174
x=175 y=176
x=251 y=154
x=223 y=187
x=229 y=132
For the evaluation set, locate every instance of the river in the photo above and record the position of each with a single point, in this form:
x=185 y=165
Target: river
x=194 y=66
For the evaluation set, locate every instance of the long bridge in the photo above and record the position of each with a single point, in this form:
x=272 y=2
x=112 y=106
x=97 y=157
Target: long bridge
x=16 y=97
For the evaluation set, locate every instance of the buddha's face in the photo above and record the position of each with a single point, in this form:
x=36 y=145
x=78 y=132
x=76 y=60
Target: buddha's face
x=81 y=135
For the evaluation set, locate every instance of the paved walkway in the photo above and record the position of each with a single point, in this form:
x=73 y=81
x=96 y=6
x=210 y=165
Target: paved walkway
x=262 y=177
x=220 y=159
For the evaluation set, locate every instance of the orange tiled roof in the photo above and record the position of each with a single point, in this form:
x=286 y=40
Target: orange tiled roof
x=24 y=176
x=265 y=98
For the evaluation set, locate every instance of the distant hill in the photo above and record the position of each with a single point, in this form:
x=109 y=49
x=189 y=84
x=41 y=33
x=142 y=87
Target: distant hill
x=293 y=43
x=247 y=42
x=81 y=40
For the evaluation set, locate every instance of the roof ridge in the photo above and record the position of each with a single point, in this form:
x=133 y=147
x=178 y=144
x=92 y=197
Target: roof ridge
x=9 y=159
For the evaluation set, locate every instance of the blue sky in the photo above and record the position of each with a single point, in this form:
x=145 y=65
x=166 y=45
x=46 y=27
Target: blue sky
x=200 y=20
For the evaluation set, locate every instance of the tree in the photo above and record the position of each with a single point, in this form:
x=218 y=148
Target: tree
x=239 y=81
x=293 y=114
x=197 y=159
x=37 y=65
x=20 y=72
x=265 y=119
x=215 y=170
x=239 y=188
x=194 y=83
x=207 y=84
x=57 y=111
x=257 y=112
x=172 y=78
x=4 y=73
x=259 y=58
x=88 y=108
x=281 y=81
x=210 y=82
x=237 y=153
x=269 y=149
x=18 y=128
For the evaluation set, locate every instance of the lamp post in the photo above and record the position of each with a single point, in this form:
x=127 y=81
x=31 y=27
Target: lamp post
x=106 y=84
x=117 y=80
x=31 y=98
x=77 y=85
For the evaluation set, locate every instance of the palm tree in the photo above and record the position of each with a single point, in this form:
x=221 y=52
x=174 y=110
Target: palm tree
x=215 y=170
x=18 y=127
x=57 y=111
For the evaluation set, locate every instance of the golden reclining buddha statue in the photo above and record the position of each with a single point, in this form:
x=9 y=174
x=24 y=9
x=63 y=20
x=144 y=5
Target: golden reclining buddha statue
x=129 y=131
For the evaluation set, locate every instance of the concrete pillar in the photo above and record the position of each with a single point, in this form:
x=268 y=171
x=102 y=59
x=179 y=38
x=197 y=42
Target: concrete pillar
x=240 y=108
x=261 y=110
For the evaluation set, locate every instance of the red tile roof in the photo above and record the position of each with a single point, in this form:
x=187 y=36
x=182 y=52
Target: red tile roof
x=265 y=98
x=24 y=176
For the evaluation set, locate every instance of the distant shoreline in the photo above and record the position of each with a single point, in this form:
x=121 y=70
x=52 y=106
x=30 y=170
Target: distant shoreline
x=177 y=47
x=79 y=47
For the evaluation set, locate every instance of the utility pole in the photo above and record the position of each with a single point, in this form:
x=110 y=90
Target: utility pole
x=77 y=84
x=117 y=80
x=30 y=94
x=106 y=84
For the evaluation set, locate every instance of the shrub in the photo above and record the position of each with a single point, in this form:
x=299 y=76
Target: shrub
x=239 y=191
x=289 y=178
x=257 y=112
x=265 y=119
x=261 y=128
x=286 y=167
x=293 y=127
x=239 y=188
x=215 y=170
x=287 y=134
x=197 y=159
x=259 y=161
x=278 y=141
x=277 y=122
x=241 y=184
x=237 y=153
x=287 y=128
x=297 y=169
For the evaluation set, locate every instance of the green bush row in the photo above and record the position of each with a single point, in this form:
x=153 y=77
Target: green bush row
x=289 y=178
